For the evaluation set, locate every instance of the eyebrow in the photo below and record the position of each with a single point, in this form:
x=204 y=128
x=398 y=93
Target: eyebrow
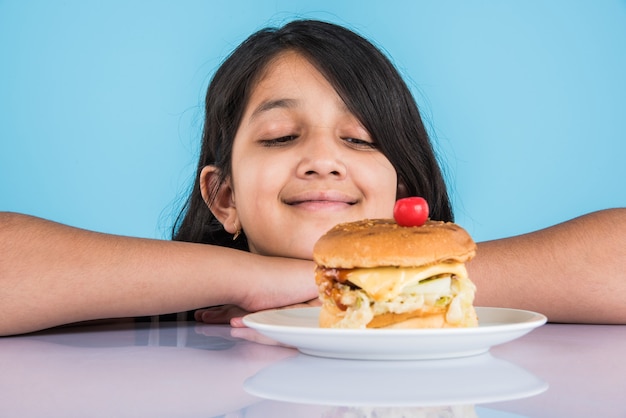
x=273 y=104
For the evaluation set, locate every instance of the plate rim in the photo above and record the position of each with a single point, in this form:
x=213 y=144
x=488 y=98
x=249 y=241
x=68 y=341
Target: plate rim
x=410 y=344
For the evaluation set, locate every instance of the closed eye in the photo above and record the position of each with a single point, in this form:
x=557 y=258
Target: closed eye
x=278 y=142
x=360 y=143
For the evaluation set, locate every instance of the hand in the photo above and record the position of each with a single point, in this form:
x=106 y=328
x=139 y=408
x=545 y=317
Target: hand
x=222 y=314
x=233 y=315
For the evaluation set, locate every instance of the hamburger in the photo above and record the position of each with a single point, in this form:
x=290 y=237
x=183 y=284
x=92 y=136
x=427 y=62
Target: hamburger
x=374 y=273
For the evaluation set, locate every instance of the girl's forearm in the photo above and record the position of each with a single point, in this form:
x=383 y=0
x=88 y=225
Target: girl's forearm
x=52 y=274
x=571 y=272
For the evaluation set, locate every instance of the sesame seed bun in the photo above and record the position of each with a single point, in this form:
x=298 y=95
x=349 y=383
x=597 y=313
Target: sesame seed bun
x=382 y=242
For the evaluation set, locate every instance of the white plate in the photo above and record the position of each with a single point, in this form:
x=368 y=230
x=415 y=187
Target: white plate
x=299 y=328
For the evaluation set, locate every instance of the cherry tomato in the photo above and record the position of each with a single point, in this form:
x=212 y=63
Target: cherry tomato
x=411 y=211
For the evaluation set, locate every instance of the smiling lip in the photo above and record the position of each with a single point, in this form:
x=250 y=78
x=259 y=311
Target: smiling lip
x=321 y=200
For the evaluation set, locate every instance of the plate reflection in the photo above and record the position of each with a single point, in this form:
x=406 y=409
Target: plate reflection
x=362 y=383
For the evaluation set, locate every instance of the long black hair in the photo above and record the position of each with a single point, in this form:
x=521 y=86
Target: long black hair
x=364 y=78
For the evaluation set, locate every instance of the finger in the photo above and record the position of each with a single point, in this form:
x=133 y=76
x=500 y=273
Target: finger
x=215 y=315
x=219 y=314
x=237 y=322
x=197 y=315
x=211 y=311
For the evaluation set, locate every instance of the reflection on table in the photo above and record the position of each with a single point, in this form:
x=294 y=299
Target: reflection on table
x=186 y=369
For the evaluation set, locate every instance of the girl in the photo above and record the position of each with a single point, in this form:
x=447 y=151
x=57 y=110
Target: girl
x=306 y=126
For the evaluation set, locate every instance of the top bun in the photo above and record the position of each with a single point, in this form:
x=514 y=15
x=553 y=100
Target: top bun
x=382 y=242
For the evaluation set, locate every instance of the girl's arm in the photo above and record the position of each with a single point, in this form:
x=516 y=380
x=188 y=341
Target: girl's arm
x=52 y=274
x=571 y=272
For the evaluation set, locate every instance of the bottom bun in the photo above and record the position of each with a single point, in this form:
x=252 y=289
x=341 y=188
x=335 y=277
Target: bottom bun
x=330 y=315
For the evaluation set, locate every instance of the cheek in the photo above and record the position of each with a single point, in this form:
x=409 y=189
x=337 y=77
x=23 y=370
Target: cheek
x=257 y=186
x=265 y=168
x=380 y=182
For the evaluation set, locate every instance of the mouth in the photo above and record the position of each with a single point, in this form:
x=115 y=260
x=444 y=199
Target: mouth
x=321 y=200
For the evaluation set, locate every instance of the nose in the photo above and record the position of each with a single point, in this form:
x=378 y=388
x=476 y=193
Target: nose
x=321 y=157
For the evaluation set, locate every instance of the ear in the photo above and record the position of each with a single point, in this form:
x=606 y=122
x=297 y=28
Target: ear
x=219 y=198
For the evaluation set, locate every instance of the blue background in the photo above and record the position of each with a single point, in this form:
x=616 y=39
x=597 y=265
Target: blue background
x=101 y=102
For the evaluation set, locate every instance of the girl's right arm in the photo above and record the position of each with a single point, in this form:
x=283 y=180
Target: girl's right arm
x=52 y=274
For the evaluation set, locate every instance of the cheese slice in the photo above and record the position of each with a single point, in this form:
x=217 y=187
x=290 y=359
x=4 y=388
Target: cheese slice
x=385 y=283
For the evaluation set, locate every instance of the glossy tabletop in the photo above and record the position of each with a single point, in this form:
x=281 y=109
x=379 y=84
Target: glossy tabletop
x=184 y=369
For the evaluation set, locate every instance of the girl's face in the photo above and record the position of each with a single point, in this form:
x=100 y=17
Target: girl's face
x=303 y=163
